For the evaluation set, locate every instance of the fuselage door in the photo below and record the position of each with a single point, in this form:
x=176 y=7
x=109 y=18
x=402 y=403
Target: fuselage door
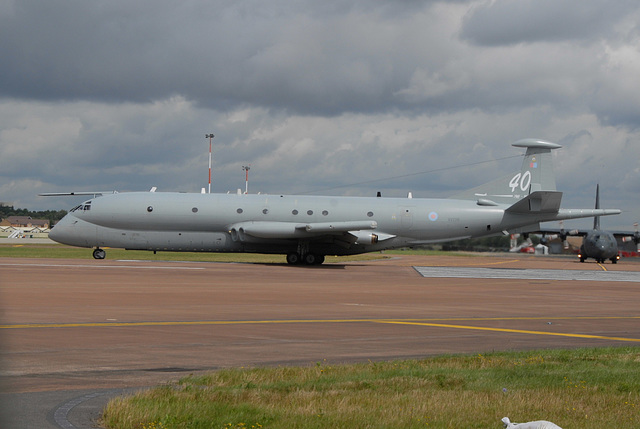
x=406 y=216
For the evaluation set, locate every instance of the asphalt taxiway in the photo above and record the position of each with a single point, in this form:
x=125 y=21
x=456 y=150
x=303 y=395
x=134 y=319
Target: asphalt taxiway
x=76 y=332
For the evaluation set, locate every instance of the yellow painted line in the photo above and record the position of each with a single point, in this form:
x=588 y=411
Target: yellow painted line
x=424 y=322
x=516 y=331
x=177 y=323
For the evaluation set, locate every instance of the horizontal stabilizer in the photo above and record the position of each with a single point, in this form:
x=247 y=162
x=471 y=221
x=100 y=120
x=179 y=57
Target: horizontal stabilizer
x=538 y=202
x=580 y=213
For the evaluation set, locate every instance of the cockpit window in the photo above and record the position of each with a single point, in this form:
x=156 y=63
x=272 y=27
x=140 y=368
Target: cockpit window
x=82 y=207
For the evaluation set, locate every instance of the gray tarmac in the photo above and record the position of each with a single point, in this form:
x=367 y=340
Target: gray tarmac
x=75 y=333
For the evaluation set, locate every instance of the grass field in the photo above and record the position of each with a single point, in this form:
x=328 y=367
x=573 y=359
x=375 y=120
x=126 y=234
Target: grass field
x=67 y=252
x=586 y=389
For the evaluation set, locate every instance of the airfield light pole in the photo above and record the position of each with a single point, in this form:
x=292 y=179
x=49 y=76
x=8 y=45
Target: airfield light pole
x=246 y=178
x=210 y=137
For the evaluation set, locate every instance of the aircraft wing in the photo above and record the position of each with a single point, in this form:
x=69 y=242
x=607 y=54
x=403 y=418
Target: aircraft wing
x=288 y=230
x=623 y=233
x=562 y=232
x=71 y=194
x=628 y=235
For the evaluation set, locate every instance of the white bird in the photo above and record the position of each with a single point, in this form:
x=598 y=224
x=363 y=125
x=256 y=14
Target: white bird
x=540 y=424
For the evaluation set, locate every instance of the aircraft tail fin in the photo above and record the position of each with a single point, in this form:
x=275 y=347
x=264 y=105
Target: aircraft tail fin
x=596 y=219
x=535 y=175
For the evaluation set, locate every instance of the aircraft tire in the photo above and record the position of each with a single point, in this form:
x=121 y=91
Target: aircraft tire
x=293 y=258
x=99 y=254
x=312 y=259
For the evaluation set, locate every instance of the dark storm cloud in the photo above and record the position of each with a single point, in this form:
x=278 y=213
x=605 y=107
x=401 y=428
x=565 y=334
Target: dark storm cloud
x=508 y=22
x=113 y=51
x=312 y=58
x=304 y=56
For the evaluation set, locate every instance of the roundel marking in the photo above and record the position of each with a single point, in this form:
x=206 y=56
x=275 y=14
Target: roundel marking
x=433 y=216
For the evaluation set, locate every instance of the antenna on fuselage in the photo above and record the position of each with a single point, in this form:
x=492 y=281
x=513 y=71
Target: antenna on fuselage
x=210 y=137
x=246 y=169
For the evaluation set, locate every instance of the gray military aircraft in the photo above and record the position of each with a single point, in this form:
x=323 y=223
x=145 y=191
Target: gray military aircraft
x=597 y=244
x=306 y=228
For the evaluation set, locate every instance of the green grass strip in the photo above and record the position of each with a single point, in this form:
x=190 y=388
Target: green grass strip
x=58 y=251
x=66 y=252
x=585 y=388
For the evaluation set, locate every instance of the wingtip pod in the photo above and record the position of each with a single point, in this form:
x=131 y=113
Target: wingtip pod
x=536 y=144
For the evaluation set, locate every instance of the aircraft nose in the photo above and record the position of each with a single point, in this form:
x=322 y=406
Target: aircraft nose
x=602 y=244
x=61 y=231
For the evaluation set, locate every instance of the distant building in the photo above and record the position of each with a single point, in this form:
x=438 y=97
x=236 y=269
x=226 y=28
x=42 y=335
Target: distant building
x=24 y=222
x=23 y=227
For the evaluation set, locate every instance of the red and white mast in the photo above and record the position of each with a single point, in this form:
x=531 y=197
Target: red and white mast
x=210 y=137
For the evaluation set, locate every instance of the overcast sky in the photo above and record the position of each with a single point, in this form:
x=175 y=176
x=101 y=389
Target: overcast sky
x=317 y=97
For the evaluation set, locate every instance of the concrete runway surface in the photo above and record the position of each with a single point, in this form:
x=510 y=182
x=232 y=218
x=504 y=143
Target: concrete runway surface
x=74 y=333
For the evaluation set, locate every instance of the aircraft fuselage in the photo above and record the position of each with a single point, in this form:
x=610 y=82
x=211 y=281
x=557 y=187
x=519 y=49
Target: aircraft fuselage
x=599 y=245
x=206 y=222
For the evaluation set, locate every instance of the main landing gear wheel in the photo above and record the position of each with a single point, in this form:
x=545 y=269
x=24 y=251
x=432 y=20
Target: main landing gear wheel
x=99 y=254
x=313 y=259
x=293 y=259
x=308 y=259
